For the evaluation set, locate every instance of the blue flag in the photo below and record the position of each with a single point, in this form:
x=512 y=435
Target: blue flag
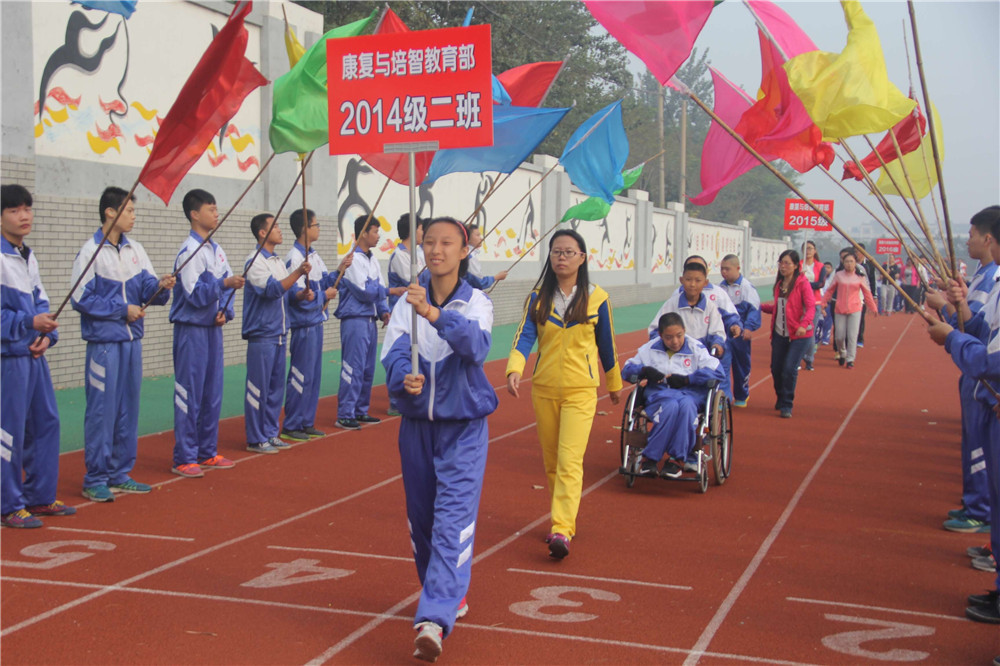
x=500 y=94
x=124 y=7
x=517 y=131
x=595 y=155
x=468 y=18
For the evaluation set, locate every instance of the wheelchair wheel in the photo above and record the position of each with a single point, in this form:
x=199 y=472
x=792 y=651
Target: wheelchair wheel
x=721 y=437
x=633 y=439
x=703 y=476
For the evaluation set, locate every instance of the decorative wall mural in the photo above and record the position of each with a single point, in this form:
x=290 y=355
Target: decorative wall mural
x=100 y=99
x=609 y=240
x=661 y=243
x=764 y=255
x=713 y=241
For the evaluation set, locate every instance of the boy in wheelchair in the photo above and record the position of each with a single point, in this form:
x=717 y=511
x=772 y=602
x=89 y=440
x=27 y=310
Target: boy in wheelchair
x=673 y=372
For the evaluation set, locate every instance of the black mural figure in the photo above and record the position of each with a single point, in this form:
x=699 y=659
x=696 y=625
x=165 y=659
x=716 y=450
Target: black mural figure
x=627 y=243
x=70 y=54
x=425 y=197
x=353 y=198
x=605 y=236
x=528 y=232
x=485 y=184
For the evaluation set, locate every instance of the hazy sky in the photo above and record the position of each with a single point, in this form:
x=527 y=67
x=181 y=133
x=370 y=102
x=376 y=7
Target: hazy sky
x=960 y=48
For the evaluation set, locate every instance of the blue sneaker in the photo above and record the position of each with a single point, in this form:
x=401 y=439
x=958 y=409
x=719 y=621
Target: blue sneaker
x=99 y=493
x=21 y=519
x=967 y=526
x=958 y=514
x=130 y=485
x=278 y=444
x=262 y=447
x=740 y=403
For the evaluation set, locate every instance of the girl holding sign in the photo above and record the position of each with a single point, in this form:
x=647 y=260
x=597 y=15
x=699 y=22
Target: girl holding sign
x=443 y=434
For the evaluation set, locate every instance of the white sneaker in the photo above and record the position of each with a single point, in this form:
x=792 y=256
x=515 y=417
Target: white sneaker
x=463 y=609
x=428 y=641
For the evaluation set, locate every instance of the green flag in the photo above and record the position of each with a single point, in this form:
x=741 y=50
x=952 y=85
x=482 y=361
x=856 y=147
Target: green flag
x=300 y=120
x=596 y=208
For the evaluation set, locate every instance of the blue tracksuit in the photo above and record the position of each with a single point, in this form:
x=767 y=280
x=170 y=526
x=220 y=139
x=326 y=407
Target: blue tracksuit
x=265 y=325
x=362 y=303
x=399 y=269
x=674 y=411
x=702 y=321
x=306 y=319
x=198 y=367
x=475 y=276
x=443 y=440
x=730 y=317
x=977 y=354
x=975 y=485
x=747 y=302
x=29 y=418
x=121 y=276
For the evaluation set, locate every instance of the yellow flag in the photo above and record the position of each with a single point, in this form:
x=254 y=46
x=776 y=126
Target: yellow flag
x=849 y=93
x=292 y=45
x=924 y=178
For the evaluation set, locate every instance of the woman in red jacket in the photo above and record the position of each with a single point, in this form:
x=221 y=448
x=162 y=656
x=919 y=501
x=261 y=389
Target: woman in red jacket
x=792 y=310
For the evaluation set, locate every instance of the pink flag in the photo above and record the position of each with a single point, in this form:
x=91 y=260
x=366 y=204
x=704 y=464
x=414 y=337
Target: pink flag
x=723 y=159
x=661 y=34
x=528 y=84
x=786 y=33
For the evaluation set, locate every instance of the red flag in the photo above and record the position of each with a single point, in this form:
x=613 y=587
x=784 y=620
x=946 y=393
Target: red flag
x=528 y=84
x=908 y=131
x=209 y=99
x=785 y=32
x=397 y=165
x=778 y=124
x=661 y=34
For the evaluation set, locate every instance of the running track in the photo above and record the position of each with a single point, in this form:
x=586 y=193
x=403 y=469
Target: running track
x=824 y=547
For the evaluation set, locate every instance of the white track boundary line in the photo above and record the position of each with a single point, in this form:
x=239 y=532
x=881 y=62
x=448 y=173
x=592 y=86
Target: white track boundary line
x=727 y=605
x=844 y=604
x=127 y=534
x=621 y=581
x=400 y=618
x=342 y=552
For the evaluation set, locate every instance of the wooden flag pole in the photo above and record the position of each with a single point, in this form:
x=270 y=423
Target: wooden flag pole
x=521 y=200
x=526 y=252
x=274 y=221
x=493 y=188
x=931 y=121
x=770 y=167
x=305 y=216
x=93 y=257
x=212 y=232
x=354 y=245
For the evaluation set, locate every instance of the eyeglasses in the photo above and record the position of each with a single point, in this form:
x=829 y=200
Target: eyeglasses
x=565 y=254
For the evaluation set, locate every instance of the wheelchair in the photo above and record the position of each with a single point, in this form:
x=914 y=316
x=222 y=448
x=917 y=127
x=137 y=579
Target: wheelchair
x=713 y=436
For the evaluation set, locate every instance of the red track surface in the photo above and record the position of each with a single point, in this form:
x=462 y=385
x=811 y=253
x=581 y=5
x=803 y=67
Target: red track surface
x=824 y=547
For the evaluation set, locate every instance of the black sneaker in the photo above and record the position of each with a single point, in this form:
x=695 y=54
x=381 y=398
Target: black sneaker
x=364 y=418
x=348 y=424
x=670 y=470
x=648 y=468
x=313 y=433
x=850 y=365
x=295 y=435
x=986 y=615
x=558 y=547
x=984 y=600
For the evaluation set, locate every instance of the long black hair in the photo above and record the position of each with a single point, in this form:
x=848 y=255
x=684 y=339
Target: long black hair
x=548 y=283
x=794 y=256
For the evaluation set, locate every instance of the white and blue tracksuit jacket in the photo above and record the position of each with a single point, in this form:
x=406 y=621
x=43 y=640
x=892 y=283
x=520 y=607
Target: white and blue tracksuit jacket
x=475 y=276
x=746 y=300
x=120 y=276
x=306 y=345
x=198 y=369
x=399 y=269
x=443 y=440
x=265 y=323
x=29 y=418
x=702 y=321
x=975 y=485
x=977 y=354
x=674 y=411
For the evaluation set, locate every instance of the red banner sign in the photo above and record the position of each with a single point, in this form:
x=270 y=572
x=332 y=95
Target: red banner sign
x=405 y=87
x=888 y=246
x=800 y=215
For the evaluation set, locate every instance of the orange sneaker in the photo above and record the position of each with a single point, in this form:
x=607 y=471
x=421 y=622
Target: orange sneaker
x=217 y=462
x=190 y=470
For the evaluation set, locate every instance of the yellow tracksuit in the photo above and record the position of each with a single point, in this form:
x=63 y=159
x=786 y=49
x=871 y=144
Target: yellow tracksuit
x=564 y=393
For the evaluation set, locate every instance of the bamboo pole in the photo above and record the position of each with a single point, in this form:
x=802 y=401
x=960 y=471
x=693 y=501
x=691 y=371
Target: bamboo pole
x=212 y=232
x=354 y=245
x=494 y=186
x=519 y=201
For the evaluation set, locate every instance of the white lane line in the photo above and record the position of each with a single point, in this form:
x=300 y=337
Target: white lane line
x=342 y=552
x=602 y=579
x=401 y=618
x=756 y=384
x=127 y=534
x=844 y=604
x=193 y=556
x=734 y=594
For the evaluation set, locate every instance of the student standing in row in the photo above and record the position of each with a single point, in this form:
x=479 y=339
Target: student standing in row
x=362 y=303
x=747 y=301
x=109 y=300
x=202 y=288
x=571 y=320
x=792 y=313
x=475 y=275
x=308 y=299
x=265 y=326
x=29 y=464
x=853 y=294
x=443 y=434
